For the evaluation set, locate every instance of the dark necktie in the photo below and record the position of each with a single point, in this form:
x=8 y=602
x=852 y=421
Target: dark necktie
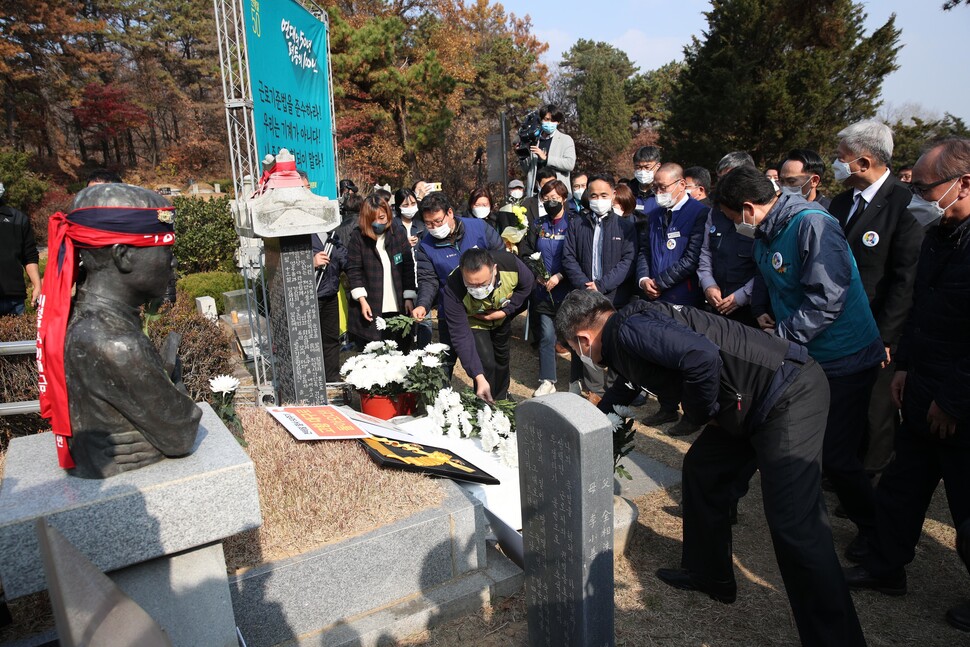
x=860 y=206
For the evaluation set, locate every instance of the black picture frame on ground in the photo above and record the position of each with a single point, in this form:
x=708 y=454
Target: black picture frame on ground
x=427 y=459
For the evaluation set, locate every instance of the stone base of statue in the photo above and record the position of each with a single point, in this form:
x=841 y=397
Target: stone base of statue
x=155 y=531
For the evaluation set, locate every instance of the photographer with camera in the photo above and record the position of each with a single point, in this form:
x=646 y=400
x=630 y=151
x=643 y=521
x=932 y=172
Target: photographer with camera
x=542 y=144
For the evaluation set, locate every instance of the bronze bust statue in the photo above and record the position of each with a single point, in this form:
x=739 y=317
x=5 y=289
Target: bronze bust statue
x=127 y=406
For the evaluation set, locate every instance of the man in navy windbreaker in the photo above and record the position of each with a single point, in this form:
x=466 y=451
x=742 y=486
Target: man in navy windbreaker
x=599 y=254
x=763 y=399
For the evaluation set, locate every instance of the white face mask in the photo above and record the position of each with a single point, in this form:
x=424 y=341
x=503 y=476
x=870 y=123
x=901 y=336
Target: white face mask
x=516 y=194
x=440 y=232
x=841 y=169
x=601 y=207
x=587 y=360
x=481 y=293
x=617 y=209
x=665 y=200
x=927 y=212
x=481 y=212
x=643 y=177
x=774 y=183
x=409 y=212
x=795 y=190
x=745 y=229
x=579 y=194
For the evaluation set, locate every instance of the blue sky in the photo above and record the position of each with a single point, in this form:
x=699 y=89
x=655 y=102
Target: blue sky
x=932 y=62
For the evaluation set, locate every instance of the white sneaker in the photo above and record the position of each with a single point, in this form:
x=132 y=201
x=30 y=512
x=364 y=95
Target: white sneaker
x=576 y=387
x=545 y=388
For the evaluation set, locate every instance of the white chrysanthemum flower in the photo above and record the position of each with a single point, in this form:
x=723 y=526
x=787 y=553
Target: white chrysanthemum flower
x=535 y=256
x=373 y=347
x=437 y=349
x=223 y=384
x=390 y=343
x=431 y=361
x=379 y=323
x=502 y=424
x=509 y=452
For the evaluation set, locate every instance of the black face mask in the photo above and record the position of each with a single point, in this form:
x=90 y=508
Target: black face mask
x=552 y=207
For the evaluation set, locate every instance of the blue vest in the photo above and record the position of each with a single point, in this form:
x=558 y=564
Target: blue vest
x=445 y=256
x=668 y=242
x=732 y=263
x=780 y=263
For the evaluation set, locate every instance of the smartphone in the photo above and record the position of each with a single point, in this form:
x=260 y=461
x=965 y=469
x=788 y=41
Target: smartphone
x=435 y=186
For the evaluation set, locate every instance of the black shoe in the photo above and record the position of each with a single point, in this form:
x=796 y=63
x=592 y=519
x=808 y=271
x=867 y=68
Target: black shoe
x=680 y=578
x=661 y=417
x=959 y=617
x=857 y=549
x=640 y=400
x=683 y=428
x=858 y=578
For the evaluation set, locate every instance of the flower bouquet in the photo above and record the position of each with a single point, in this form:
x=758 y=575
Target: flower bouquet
x=622 y=419
x=392 y=383
x=535 y=263
x=463 y=415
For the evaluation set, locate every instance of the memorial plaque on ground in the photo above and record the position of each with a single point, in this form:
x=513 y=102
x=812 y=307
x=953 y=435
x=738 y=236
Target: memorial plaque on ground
x=566 y=482
x=294 y=321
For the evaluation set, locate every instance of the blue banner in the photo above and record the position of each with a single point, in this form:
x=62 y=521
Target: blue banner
x=290 y=77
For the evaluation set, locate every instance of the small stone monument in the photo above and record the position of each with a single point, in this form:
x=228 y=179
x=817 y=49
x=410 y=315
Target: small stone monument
x=284 y=214
x=566 y=484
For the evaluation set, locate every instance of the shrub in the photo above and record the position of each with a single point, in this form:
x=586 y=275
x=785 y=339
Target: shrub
x=55 y=199
x=211 y=284
x=205 y=240
x=24 y=189
x=205 y=350
x=18 y=380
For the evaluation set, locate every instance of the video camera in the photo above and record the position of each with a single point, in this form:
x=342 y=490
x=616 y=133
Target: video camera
x=529 y=129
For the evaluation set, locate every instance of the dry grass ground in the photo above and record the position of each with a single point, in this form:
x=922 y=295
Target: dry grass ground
x=649 y=613
x=316 y=493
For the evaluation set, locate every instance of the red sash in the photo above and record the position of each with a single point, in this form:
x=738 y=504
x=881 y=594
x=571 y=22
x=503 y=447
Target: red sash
x=54 y=305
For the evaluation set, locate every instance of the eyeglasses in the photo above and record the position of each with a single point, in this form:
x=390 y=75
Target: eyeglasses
x=662 y=188
x=918 y=188
x=434 y=224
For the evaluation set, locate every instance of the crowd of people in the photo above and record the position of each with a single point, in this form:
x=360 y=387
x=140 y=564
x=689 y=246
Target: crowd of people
x=821 y=341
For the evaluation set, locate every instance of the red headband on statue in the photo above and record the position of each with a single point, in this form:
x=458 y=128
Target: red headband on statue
x=89 y=227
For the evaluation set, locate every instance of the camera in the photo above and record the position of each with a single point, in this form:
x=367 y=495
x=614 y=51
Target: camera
x=529 y=129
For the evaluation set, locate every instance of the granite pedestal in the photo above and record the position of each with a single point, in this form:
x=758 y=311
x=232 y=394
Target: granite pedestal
x=155 y=530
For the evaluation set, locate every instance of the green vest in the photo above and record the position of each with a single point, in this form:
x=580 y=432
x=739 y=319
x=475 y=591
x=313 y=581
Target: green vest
x=507 y=282
x=780 y=263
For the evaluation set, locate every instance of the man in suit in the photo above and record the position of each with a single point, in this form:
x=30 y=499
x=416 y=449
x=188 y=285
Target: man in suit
x=885 y=240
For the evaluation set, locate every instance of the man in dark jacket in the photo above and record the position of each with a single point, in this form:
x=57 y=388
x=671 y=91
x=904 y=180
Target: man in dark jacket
x=762 y=398
x=931 y=381
x=437 y=254
x=18 y=254
x=480 y=300
x=599 y=254
x=646 y=163
x=329 y=260
x=807 y=270
x=885 y=240
x=801 y=173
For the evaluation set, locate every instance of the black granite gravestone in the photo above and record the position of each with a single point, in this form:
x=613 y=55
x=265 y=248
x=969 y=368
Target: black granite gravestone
x=294 y=321
x=566 y=483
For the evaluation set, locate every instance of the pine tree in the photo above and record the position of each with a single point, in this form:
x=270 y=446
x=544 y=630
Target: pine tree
x=772 y=75
x=604 y=116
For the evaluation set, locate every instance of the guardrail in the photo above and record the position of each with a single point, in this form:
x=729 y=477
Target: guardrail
x=8 y=348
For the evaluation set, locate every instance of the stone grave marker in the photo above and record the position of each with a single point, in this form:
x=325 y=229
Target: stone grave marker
x=566 y=483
